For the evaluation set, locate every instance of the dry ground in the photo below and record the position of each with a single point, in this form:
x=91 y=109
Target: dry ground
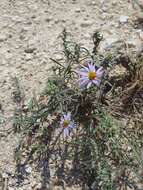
x=30 y=34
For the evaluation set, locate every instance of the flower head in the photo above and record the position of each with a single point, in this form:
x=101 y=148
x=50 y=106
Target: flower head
x=67 y=124
x=90 y=75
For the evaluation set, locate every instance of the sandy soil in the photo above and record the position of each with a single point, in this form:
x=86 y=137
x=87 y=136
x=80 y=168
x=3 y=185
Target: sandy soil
x=30 y=34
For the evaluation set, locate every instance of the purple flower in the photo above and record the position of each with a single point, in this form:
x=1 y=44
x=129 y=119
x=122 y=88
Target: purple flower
x=90 y=75
x=67 y=124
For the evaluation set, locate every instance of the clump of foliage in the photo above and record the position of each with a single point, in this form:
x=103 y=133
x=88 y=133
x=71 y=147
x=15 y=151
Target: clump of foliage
x=71 y=124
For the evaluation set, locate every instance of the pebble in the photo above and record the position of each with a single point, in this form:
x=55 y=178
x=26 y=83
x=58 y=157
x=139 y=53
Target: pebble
x=104 y=9
x=17 y=19
x=10 y=188
x=114 y=3
x=8 y=55
x=86 y=23
x=28 y=57
x=123 y=19
x=118 y=72
x=28 y=169
x=3 y=38
x=4 y=175
x=30 y=50
x=48 y=19
x=58 y=57
x=57 y=20
x=110 y=43
x=132 y=43
x=77 y=10
x=93 y=3
x=140 y=33
x=34 y=183
x=38 y=186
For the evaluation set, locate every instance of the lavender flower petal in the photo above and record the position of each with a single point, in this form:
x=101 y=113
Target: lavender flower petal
x=84 y=83
x=83 y=73
x=86 y=68
x=69 y=116
x=66 y=131
x=100 y=72
x=97 y=82
x=89 y=84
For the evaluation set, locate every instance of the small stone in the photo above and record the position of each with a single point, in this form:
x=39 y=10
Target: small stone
x=28 y=57
x=114 y=3
x=77 y=10
x=73 y=1
x=87 y=36
x=118 y=72
x=57 y=21
x=10 y=188
x=110 y=43
x=34 y=183
x=38 y=186
x=133 y=43
x=30 y=50
x=140 y=33
x=3 y=38
x=104 y=9
x=58 y=57
x=8 y=55
x=28 y=169
x=4 y=175
x=86 y=23
x=49 y=18
x=123 y=19
x=93 y=3
x=33 y=16
x=102 y=1
x=16 y=19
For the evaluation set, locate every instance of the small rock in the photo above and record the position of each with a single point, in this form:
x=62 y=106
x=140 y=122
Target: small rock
x=58 y=57
x=49 y=18
x=30 y=50
x=102 y=1
x=94 y=186
x=10 y=188
x=123 y=19
x=38 y=186
x=57 y=21
x=8 y=55
x=118 y=72
x=17 y=19
x=77 y=10
x=104 y=9
x=33 y=16
x=110 y=43
x=134 y=43
x=28 y=169
x=86 y=23
x=3 y=38
x=34 y=183
x=93 y=3
x=114 y=3
x=73 y=1
x=4 y=175
x=28 y=57
x=140 y=33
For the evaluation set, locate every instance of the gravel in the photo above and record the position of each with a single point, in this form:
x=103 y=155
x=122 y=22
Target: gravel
x=29 y=36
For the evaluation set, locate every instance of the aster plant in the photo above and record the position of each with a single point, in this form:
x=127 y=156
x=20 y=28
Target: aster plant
x=71 y=120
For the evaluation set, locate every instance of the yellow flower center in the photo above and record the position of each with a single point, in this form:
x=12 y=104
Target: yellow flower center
x=92 y=75
x=66 y=123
